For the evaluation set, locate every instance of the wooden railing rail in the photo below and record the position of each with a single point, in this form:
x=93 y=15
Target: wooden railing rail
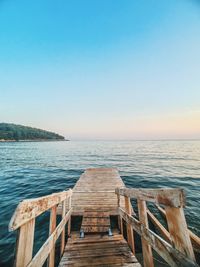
x=168 y=197
x=176 y=247
x=194 y=238
x=24 y=220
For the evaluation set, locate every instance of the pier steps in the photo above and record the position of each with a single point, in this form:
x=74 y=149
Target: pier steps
x=98 y=250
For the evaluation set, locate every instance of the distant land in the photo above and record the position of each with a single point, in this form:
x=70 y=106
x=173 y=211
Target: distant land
x=14 y=132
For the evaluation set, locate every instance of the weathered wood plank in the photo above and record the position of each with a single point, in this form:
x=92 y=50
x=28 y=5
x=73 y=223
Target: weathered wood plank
x=194 y=238
x=31 y=208
x=129 y=228
x=98 y=250
x=195 y=241
x=159 y=226
x=120 y=220
x=62 y=245
x=171 y=255
x=69 y=221
x=99 y=223
x=146 y=248
x=25 y=240
x=178 y=230
x=169 y=197
x=52 y=227
x=44 y=251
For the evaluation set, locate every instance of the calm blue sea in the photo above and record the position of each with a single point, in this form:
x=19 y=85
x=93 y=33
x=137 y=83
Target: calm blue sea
x=29 y=170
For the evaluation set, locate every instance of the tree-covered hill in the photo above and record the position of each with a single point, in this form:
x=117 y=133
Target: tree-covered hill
x=9 y=131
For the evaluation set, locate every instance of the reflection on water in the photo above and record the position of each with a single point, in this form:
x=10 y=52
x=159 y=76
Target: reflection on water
x=29 y=170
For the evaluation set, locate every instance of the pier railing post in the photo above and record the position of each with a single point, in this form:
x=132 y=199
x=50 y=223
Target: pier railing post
x=69 y=222
x=179 y=232
x=25 y=244
x=52 y=227
x=62 y=247
x=120 y=222
x=146 y=248
x=130 y=236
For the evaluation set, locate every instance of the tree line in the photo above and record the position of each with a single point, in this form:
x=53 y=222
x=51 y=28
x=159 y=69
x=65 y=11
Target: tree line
x=9 y=131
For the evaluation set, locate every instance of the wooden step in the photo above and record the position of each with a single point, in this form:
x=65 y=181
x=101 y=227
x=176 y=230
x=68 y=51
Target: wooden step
x=95 y=222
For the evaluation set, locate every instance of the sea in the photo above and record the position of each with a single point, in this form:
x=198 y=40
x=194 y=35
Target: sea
x=34 y=169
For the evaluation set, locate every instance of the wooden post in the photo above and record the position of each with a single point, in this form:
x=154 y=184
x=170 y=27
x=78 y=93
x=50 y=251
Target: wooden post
x=146 y=248
x=25 y=244
x=178 y=229
x=52 y=227
x=130 y=236
x=62 y=247
x=69 y=222
x=120 y=222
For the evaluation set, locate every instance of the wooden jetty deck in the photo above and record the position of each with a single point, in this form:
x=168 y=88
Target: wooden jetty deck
x=96 y=190
x=99 y=195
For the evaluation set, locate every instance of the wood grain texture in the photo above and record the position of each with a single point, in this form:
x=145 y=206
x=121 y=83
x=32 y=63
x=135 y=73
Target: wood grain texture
x=165 y=234
x=25 y=244
x=178 y=230
x=146 y=247
x=52 y=227
x=98 y=250
x=62 y=245
x=96 y=190
x=129 y=228
x=194 y=238
x=31 y=208
x=44 y=251
x=171 y=255
x=169 y=197
x=95 y=222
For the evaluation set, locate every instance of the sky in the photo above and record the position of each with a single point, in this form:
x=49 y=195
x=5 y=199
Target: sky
x=103 y=69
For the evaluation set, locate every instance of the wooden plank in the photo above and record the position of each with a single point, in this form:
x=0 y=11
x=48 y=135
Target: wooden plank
x=98 y=250
x=129 y=228
x=169 y=197
x=146 y=248
x=120 y=221
x=178 y=230
x=171 y=255
x=25 y=240
x=195 y=241
x=98 y=223
x=31 y=208
x=44 y=251
x=52 y=227
x=62 y=246
x=159 y=226
x=69 y=221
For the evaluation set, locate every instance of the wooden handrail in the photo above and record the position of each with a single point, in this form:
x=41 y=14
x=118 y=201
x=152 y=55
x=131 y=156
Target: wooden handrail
x=24 y=220
x=160 y=227
x=194 y=238
x=167 y=196
x=177 y=248
x=171 y=255
x=49 y=244
x=31 y=208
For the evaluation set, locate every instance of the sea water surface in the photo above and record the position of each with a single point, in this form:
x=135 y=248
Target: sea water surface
x=34 y=169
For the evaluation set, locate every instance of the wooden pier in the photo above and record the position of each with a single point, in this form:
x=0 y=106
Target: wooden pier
x=95 y=190
x=99 y=194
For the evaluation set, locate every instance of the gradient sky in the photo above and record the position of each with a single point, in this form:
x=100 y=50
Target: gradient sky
x=103 y=69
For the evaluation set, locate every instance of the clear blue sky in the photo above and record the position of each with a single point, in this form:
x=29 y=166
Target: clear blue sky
x=102 y=69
